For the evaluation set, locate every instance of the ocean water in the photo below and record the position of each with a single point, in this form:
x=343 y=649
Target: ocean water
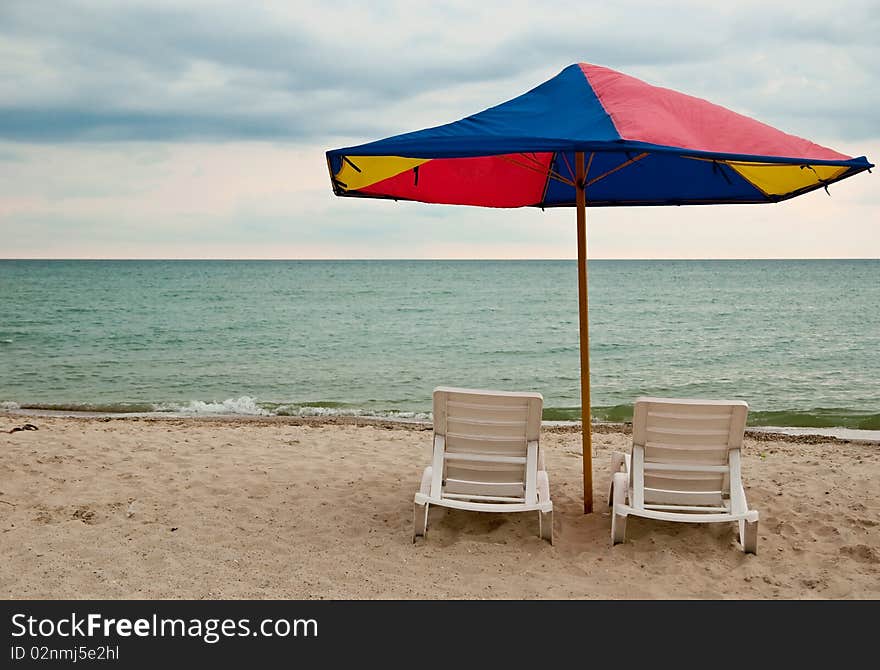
x=798 y=340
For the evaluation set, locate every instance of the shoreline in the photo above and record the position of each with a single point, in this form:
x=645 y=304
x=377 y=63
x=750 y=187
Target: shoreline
x=758 y=433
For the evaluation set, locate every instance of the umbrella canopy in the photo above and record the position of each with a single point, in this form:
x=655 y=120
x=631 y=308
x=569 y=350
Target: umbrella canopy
x=653 y=146
x=591 y=136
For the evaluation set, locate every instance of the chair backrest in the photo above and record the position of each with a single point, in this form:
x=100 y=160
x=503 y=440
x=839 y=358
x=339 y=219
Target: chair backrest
x=486 y=441
x=685 y=449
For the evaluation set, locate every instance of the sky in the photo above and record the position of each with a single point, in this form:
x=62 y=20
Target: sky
x=198 y=129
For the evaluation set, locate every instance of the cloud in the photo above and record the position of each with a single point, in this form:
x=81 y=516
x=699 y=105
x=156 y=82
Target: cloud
x=226 y=71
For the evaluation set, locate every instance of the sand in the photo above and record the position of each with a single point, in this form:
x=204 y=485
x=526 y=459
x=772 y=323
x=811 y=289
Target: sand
x=284 y=508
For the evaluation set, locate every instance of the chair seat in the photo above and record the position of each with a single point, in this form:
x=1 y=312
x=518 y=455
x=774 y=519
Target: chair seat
x=688 y=517
x=478 y=503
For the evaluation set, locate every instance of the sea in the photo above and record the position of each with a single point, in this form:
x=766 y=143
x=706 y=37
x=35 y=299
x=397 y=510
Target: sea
x=799 y=340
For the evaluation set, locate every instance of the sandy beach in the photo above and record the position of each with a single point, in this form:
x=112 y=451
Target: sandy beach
x=317 y=509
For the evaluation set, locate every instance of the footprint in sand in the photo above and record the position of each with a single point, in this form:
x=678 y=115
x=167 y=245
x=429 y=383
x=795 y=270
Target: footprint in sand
x=861 y=553
x=84 y=514
x=827 y=531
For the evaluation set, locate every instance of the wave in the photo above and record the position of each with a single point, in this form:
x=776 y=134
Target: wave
x=245 y=404
x=250 y=406
x=241 y=406
x=311 y=410
x=818 y=418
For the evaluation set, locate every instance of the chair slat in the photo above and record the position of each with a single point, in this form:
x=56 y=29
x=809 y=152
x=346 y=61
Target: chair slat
x=491 y=422
x=685 y=447
x=680 y=492
x=450 y=436
x=655 y=414
x=688 y=508
x=682 y=432
x=484 y=498
x=481 y=407
x=686 y=467
x=485 y=458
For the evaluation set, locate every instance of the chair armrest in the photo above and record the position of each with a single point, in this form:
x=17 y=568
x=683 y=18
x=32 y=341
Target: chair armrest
x=437 y=465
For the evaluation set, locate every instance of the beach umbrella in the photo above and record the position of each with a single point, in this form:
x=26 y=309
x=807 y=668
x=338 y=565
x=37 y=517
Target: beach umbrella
x=591 y=137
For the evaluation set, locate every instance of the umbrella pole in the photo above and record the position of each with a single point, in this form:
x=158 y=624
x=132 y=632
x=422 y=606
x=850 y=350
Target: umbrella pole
x=586 y=424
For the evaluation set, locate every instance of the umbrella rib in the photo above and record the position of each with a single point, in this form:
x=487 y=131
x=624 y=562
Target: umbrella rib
x=589 y=165
x=615 y=169
x=568 y=165
x=558 y=177
x=537 y=163
x=547 y=181
x=533 y=168
x=532 y=157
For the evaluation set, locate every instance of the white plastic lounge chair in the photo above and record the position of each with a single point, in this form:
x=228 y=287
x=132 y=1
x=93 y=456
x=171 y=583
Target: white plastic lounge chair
x=685 y=466
x=486 y=457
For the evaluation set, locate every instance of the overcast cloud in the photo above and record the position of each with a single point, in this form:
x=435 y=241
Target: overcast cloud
x=198 y=128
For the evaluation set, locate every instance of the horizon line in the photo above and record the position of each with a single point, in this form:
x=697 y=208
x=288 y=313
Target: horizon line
x=159 y=258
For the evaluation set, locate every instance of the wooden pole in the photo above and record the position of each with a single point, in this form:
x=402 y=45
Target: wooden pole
x=586 y=425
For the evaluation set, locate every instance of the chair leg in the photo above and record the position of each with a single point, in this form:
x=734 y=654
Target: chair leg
x=617 y=461
x=420 y=520
x=618 y=528
x=618 y=521
x=748 y=536
x=545 y=525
